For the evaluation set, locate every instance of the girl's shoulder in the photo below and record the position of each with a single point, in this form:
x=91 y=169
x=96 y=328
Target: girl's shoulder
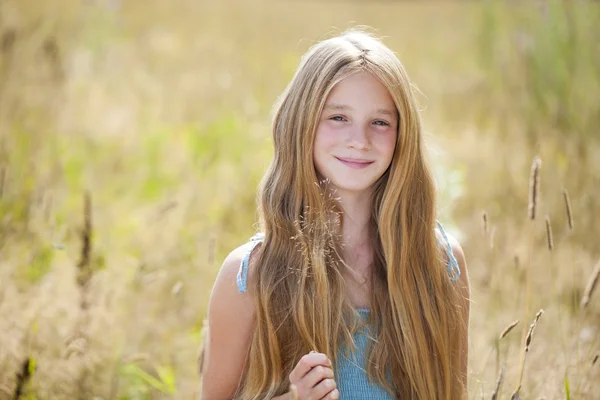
x=237 y=266
x=231 y=315
x=246 y=259
x=224 y=290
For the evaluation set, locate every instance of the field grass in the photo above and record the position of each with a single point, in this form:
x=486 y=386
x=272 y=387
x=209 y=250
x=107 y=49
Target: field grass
x=133 y=136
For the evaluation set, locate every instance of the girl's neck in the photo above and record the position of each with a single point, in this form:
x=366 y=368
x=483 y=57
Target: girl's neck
x=357 y=215
x=356 y=248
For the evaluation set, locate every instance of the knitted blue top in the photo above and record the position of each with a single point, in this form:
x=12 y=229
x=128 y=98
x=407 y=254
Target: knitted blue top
x=351 y=372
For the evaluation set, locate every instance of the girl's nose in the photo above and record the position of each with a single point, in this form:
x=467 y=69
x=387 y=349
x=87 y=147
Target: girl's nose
x=358 y=138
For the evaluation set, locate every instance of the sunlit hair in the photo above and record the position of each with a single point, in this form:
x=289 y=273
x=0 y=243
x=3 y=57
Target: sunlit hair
x=301 y=302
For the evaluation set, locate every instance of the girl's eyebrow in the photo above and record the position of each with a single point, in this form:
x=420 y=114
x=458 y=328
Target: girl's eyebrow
x=386 y=111
x=343 y=107
x=336 y=107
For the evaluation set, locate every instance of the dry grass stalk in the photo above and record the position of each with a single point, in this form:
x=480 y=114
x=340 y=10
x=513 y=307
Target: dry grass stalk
x=51 y=51
x=508 y=329
x=83 y=281
x=8 y=40
x=534 y=186
x=165 y=209
x=23 y=377
x=591 y=286
x=2 y=180
x=531 y=328
x=136 y=358
x=294 y=392
x=502 y=335
x=83 y=265
x=484 y=217
x=549 y=238
x=203 y=342
x=515 y=394
x=568 y=209
x=498 y=384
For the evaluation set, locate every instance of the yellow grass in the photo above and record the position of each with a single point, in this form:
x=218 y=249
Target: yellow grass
x=160 y=111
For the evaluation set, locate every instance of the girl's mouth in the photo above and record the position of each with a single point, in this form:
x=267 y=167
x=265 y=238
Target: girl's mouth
x=355 y=163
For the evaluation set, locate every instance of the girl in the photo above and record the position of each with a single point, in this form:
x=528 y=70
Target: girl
x=353 y=290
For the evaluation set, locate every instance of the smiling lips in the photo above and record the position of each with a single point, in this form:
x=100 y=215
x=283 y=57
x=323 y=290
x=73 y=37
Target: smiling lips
x=355 y=163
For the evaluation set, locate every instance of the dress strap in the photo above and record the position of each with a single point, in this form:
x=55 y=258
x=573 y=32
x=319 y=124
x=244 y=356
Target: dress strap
x=242 y=275
x=453 y=268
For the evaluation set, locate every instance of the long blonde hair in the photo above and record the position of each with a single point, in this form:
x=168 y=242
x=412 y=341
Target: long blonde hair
x=301 y=302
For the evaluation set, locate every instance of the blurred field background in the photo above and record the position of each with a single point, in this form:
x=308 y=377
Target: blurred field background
x=133 y=135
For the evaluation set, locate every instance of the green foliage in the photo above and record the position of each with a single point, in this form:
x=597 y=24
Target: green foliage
x=542 y=62
x=98 y=262
x=28 y=396
x=40 y=263
x=31 y=365
x=140 y=384
x=222 y=137
x=74 y=167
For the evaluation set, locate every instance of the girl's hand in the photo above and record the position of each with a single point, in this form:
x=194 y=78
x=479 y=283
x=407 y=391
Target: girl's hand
x=312 y=379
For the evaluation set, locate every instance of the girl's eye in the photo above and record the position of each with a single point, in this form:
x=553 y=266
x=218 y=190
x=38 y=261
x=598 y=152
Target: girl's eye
x=381 y=123
x=337 y=118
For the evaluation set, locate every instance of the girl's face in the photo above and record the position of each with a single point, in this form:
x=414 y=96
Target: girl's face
x=356 y=134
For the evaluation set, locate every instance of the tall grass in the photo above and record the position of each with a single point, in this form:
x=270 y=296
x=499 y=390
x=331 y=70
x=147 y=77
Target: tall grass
x=161 y=113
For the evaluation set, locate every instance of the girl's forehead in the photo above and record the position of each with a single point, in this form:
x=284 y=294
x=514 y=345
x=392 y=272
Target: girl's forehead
x=360 y=90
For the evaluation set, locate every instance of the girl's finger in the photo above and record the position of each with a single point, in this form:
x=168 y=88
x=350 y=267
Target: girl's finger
x=324 y=388
x=306 y=363
x=316 y=375
x=333 y=395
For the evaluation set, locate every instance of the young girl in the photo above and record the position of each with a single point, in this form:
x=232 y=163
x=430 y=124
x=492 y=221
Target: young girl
x=352 y=290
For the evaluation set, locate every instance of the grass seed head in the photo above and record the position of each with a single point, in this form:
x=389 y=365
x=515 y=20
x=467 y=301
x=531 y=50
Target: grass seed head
x=534 y=186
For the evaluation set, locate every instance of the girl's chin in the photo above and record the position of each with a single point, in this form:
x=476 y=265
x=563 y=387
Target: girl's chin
x=350 y=186
x=346 y=183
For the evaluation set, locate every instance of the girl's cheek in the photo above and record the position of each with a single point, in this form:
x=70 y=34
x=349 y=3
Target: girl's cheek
x=386 y=140
x=327 y=137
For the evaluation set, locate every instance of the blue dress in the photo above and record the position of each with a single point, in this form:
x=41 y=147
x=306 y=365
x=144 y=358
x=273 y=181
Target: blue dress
x=351 y=372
